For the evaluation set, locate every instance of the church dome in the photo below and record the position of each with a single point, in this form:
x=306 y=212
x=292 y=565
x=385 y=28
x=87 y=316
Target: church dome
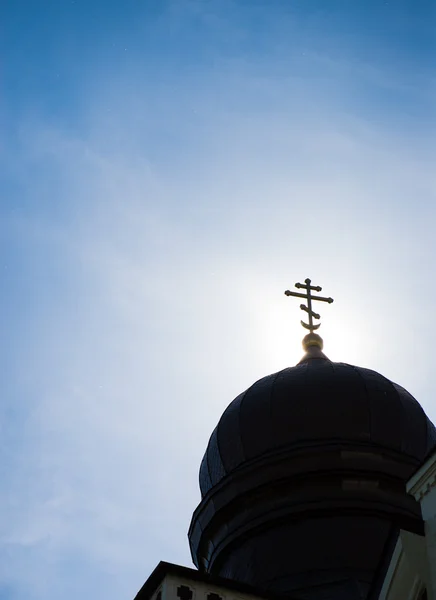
x=304 y=478
x=317 y=402
x=304 y=481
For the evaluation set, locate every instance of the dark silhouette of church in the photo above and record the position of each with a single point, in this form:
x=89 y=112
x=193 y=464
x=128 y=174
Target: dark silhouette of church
x=304 y=488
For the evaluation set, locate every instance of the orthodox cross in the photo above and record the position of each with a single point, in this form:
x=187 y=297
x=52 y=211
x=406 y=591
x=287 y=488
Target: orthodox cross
x=308 y=296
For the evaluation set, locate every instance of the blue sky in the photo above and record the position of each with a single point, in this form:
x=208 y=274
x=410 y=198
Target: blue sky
x=168 y=170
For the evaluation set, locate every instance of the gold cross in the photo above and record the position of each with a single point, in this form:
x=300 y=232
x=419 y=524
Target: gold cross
x=316 y=288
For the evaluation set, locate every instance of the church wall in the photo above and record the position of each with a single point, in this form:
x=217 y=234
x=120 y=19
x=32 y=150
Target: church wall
x=430 y=538
x=423 y=487
x=402 y=580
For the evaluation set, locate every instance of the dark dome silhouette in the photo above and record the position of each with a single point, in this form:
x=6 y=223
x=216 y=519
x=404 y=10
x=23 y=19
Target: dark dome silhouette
x=303 y=480
x=317 y=401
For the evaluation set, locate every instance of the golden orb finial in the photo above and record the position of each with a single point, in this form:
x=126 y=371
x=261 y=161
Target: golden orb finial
x=312 y=339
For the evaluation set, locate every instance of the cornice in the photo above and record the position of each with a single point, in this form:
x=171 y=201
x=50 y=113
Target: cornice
x=424 y=480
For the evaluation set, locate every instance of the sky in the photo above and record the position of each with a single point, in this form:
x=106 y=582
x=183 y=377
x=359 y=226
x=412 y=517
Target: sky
x=167 y=169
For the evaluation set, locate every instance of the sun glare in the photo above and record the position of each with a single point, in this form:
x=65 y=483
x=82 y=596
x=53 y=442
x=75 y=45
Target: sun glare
x=278 y=334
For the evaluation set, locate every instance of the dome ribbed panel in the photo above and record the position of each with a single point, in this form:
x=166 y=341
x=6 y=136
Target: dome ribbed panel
x=229 y=436
x=204 y=478
x=414 y=422
x=290 y=389
x=256 y=408
x=215 y=463
x=385 y=408
x=339 y=402
x=431 y=436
